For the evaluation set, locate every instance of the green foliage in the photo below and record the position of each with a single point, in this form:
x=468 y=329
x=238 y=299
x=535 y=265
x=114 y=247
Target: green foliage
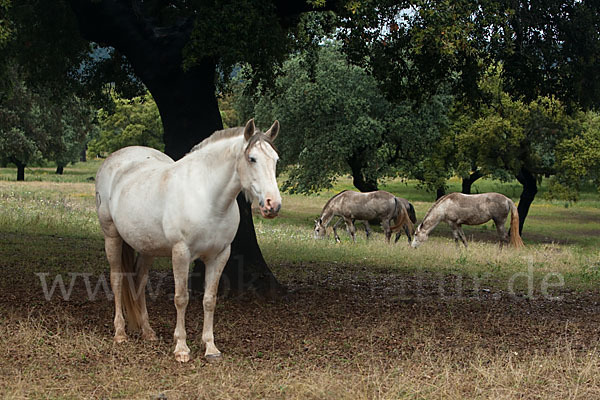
x=5 y=24
x=578 y=158
x=336 y=121
x=134 y=122
x=33 y=125
x=23 y=133
x=71 y=130
x=330 y=118
x=250 y=32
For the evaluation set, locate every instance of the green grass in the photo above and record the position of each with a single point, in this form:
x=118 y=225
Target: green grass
x=79 y=172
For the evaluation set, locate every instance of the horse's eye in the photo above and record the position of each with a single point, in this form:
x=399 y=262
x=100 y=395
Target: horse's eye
x=252 y=159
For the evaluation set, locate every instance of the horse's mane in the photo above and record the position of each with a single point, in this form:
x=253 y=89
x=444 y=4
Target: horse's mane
x=444 y=197
x=331 y=199
x=230 y=133
x=219 y=135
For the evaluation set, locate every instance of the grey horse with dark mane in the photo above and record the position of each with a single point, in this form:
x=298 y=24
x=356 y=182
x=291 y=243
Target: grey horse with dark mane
x=351 y=206
x=457 y=209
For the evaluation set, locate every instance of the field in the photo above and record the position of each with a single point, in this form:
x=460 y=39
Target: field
x=367 y=320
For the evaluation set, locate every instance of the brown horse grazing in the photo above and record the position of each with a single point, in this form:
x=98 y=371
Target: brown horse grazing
x=411 y=214
x=457 y=209
x=351 y=206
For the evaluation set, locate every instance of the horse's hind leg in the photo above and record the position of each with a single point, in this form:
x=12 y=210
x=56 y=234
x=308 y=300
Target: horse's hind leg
x=351 y=228
x=502 y=232
x=387 y=230
x=114 y=247
x=214 y=269
x=406 y=231
x=181 y=266
x=367 y=228
x=144 y=263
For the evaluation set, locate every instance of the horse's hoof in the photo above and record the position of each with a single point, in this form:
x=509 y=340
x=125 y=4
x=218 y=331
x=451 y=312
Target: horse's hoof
x=182 y=357
x=150 y=336
x=213 y=358
x=120 y=338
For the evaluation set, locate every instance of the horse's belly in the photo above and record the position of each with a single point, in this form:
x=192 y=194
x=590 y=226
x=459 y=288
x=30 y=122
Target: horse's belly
x=475 y=220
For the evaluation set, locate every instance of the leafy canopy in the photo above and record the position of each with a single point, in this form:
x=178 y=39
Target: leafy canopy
x=133 y=122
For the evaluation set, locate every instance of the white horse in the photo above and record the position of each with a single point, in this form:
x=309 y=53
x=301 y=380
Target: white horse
x=184 y=210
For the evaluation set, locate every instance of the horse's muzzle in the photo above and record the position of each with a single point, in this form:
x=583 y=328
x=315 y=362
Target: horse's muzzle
x=270 y=209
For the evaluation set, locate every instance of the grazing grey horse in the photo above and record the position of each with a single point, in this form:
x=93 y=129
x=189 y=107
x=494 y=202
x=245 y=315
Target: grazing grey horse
x=457 y=209
x=351 y=206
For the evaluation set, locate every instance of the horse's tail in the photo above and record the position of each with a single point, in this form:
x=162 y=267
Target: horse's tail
x=402 y=218
x=515 y=237
x=411 y=213
x=130 y=295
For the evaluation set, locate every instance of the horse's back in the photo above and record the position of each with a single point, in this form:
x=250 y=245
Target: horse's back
x=128 y=161
x=475 y=209
x=367 y=206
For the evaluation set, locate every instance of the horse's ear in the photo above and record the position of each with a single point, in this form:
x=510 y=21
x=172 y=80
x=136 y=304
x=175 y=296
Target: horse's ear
x=273 y=131
x=249 y=129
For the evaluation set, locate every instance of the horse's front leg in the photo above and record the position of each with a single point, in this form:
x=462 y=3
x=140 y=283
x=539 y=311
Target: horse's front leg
x=455 y=233
x=214 y=268
x=335 y=234
x=462 y=235
x=367 y=228
x=181 y=267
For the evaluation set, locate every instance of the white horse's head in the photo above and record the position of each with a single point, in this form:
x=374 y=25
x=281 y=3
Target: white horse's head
x=420 y=237
x=257 y=169
x=320 y=229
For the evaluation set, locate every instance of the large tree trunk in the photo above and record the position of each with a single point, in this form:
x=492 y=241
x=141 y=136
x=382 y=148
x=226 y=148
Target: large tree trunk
x=529 y=182
x=441 y=191
x=20 y=171
x=188 y=107
x=360 y=180
x=468 y=182
x=60 y=169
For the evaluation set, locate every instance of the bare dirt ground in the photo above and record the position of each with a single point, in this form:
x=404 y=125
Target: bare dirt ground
x=340 y=332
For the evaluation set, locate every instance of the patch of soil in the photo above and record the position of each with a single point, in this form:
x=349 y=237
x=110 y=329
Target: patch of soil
x=331 y=315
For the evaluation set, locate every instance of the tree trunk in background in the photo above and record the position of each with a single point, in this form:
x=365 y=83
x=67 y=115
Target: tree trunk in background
x=83 y=155
x=468 y=182
x=441 y=191
x=359 y=179
x=188 y=108
x=529 y=182
x=20 y=171
x=59 y=170
x=246 y=270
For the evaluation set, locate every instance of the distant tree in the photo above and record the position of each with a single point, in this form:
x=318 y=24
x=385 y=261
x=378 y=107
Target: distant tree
x=578 y=158
x=338 y=122
x=23 y=123
x=131 y=122
x=34 y=125
x=73 y=125
x=506 y=138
